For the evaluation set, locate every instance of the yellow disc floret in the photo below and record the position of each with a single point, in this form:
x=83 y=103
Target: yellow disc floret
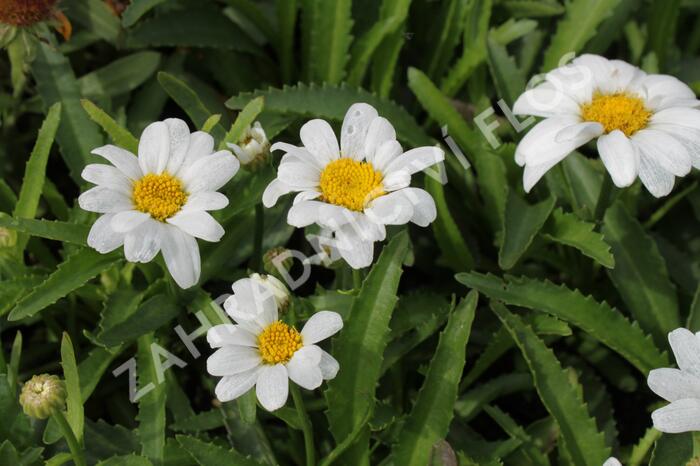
x=617 y=111
x=349 y=183
x=278 y=343
x=161 y=196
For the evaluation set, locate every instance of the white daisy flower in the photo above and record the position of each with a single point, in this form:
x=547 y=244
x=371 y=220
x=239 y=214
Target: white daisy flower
x=262 y=351
x=276 y=287
x=357 y=188
x=681 y=387
x=159 y=200
x=612 y=461
x=646 y=125
x=254 y=146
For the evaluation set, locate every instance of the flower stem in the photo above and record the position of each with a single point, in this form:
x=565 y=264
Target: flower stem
x=604 y=198
x=72 y=442
x=305 y=425
x=356 y=279
x=259 y=229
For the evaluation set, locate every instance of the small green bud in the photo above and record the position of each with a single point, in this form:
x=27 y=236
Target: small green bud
x=42 y=395
x=276 y=259
x=8 y=238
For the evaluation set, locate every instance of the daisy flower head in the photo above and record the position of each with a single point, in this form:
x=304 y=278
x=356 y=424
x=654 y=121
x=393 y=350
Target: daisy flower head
x=262 y=351
x=356 y=188
x=159 y=200
x=680 y=387
x=646 y=125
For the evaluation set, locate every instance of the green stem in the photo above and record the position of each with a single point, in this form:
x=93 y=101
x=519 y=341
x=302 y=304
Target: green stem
x=305 y=425
x=604 y=198
x=68 y=434
x=356 y=279
x=259 y=229
x=347 y=442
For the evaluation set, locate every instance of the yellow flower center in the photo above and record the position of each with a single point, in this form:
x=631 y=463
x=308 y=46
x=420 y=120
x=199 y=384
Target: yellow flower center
x=278 y=343
x=161 y=195
x=349 y=183
x=617 y=111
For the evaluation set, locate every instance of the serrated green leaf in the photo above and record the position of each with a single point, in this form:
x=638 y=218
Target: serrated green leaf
x=531 y=454
x=432 y=413
x=12 y=290
x=35 y=171
x=672 y=449
x=522 y=223
x=640 y=274
x=329 y=25
x=599 y=320
x=578 y=26
x=507 y=77
x=151 y=315
x=136 y=9
x=568 y=229
x=206 y=454
x=365 y=335
x=246 y=117
x=121 y=136
x=558 y=393
x=331 y=102
x=70 y=275
x=151 y=416
x=74 y=400
x=200 y=422
x=50 y=229
x=120 y=76
x=125 y=460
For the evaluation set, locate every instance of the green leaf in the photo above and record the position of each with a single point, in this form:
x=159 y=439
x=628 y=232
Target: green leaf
x=522 y=223
x=77 y=135
x=136 y=9
x=663 y=16
x=559 y=394
x=120 y=76
x=455 y=251
x=673 y=449
x=74 y=400
x=73 y=233
x=507 y=77
x=533 y=8
x=331 y=102
x=8 y=453
x=580 y=24
x=12 y=290
x=329 y=25
x=207 y=454
x=200 y=422
x=70 y=275
x=599 y=320
x=641 y=278
x=125 y=460
x=121 y=136
x=432 y=413
x=359 y=346
x=471 y=403
x=35 y=171
x=95 y=16
x=192 y=27
x=151 y=416
x=244 y=120
x=151 y=315
x=528 y=451
x=693 y=323
x=568 y=229
x=188 y=100
x=286 y=28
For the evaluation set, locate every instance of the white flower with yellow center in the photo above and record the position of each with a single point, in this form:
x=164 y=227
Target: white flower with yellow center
x=647 y=125
x=357 y=188
x=262 y=351
x=681 y=387
x=159 y=200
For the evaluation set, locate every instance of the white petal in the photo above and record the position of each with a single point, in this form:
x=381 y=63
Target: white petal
x=584 y=131
x=533 y=173
x=679 y=416
x=231 y=387
x=540 y=145
x=306 y=196
x=231 y=359
x=205 y=200
x=108 y=176
x=356 y=252
x=303 y=368
x=318 y=138
x=658 y=181
x=211 y=172
x=274 y=191
x=143 y=243
x=125 y=161
x=663 y=91
x=299 y=175
x=328 y=365
x=229 y=334
x=102 y=237
x=601 y=71
x=201 y=144
x=391 y=209
x=356 y=123
x=620 y=157
x=673 y=384
x=127 y=220
x=665 y=149
x=686 y=349
x=545 y=101
x=380 y=131
x=272 y=387
x=298 y=153
x=680 y=116
x=104 y=200
x=424 y=210
x=181 y=255
x=154 y=148
x=416 y=160
x=385 y=154
x=689 y=137
x=179 y=143
x=612 y=462
x=197 y=223
x=396 y=180
x=252 y=302
x=305 y=213
x=320 y=326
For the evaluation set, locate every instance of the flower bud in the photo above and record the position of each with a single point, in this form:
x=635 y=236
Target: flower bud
x=276 y=287
x=25 y=12
x=42 y=395
x=8 y=238
x=276 y=259
x=254 y=147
